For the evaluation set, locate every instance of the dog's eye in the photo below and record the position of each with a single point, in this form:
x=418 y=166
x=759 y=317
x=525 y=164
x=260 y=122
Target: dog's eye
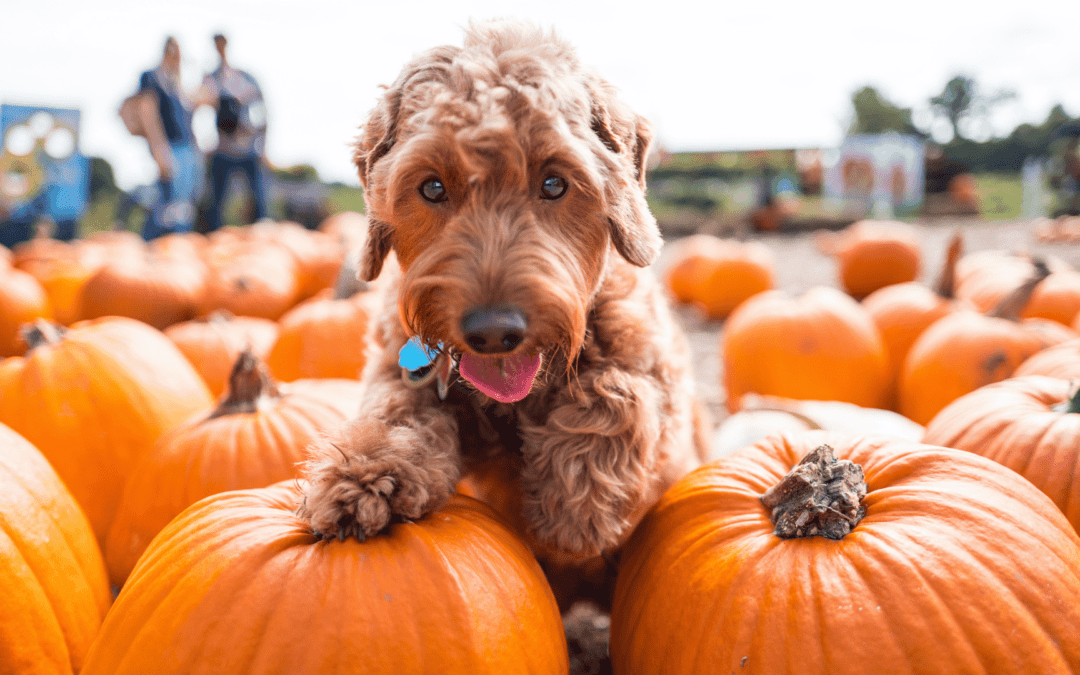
x=433 y=190
x=553 y=187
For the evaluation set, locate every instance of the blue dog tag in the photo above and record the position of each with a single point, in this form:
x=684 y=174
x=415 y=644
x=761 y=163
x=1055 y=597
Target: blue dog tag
x=415 y=355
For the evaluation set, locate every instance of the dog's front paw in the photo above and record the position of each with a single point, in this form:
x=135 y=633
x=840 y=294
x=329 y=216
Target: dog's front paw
x=357 y=489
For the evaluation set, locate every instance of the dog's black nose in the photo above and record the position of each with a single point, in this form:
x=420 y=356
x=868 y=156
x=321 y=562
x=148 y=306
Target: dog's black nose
x=494 y=330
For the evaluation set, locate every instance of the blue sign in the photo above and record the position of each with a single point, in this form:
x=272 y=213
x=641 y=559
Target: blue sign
x=42 y=172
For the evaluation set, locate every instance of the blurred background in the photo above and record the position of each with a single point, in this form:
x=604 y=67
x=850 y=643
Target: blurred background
x=771 y=115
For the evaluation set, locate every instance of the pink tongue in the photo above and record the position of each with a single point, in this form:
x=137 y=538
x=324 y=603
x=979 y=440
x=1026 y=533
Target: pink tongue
x=487 y=376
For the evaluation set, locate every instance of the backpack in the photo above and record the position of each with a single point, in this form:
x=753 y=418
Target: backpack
x=228 y=113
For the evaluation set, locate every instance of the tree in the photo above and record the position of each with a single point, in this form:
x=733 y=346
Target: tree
x=875 y=115
x=102 y=181
x=962 y=99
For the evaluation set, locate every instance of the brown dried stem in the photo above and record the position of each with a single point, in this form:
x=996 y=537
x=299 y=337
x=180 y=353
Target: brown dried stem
x=1014 y=303
x=946 y=285
x=821 y=496
x=250 y=386
x=40 y=333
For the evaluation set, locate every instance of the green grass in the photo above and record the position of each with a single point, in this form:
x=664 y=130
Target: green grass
x=999 y=195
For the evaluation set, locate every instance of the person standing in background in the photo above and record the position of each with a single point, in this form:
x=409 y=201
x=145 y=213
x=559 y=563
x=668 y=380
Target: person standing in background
x=166 y=112
x=241 y=126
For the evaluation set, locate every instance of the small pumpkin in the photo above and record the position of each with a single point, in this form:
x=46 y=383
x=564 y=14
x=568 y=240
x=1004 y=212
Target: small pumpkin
x=966 y=350
x=22 y=300
x=1030 y=424
x=902 y=312
x=159 y=287
x=828 y=554
x=760 y=416
x=717 y=275
x=52 y=578
x=249 y=278
x=872 y=254
x=214 y=342
x=822 y=346
x=255 y=435
x=94 y=398
x=238 y=583
x=325 y=336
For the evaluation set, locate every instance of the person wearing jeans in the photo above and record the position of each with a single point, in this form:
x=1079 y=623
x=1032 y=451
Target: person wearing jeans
x=241 y=124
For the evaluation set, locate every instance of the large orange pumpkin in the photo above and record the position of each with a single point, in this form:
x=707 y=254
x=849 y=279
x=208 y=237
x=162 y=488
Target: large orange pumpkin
x=22 y=300
x=822 y=346
x=94 y=399
x=318 y=255
x=239 y=584
x=213 y=343
x=902 y=312
x=932 y=561
x=325 y=335
x=967 y=350
x=254 y=436
x=872 y=254
x=52 y=578
x=718 y=274
x=1030 y=424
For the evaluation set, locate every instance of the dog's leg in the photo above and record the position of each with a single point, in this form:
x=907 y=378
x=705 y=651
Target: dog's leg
x=591 y=466
x=400 y=457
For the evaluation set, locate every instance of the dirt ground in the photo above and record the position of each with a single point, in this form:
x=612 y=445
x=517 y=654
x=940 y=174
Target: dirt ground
x=801 y=266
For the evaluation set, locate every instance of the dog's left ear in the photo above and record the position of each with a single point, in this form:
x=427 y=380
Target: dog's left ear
x=633 y=228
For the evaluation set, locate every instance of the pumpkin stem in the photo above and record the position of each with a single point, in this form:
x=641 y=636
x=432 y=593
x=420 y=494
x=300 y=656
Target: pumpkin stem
x=40 y=333
x=348 y=282
x=1013 y=303
x=820 y=496
x=946 y=285
x=250 y=386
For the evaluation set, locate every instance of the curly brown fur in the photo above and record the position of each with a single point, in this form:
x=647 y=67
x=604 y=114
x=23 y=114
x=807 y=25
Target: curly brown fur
x=611 y=421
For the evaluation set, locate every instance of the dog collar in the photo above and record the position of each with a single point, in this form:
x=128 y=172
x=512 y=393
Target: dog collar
x=421 y=364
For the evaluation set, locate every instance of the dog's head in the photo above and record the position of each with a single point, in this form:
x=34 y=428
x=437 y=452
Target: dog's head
x=502 y=173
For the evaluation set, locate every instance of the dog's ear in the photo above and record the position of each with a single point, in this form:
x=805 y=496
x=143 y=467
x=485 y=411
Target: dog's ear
x=626 y=135
x=380 y=130
x=376 y=247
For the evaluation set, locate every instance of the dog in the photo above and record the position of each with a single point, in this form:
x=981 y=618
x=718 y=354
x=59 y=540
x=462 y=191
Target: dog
x=523 y=336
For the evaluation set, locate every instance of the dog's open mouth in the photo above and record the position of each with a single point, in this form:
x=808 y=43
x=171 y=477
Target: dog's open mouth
x=507 y=379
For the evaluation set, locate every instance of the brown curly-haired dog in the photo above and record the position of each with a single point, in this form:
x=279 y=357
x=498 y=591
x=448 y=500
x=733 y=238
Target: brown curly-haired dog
x=509 y=182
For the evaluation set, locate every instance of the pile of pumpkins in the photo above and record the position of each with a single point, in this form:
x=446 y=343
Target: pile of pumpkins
x=150 y=475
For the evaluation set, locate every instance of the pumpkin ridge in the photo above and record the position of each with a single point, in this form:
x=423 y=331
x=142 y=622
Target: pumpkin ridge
x=69 y=545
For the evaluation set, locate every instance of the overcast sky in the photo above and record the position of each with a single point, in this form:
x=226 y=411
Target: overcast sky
x=711 y=75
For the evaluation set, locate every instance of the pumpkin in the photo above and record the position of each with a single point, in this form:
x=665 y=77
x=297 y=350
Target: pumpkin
x=348 y=228
x=94 y=398
x=317 y=254
x=966 y=350
x=821 y=346
x=1061 y=361
x=1030 y=424
x=325 y=336
x=830 y=554
x=22 y=300
x=213 y=343
x=238 y=583
x=872 y=254
x=760 y=416
x=254 y=436
x=157 y=287
x=718 y=274
x=249 y=278
x=902 y=312
x=987 y=277
x=52 y=578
